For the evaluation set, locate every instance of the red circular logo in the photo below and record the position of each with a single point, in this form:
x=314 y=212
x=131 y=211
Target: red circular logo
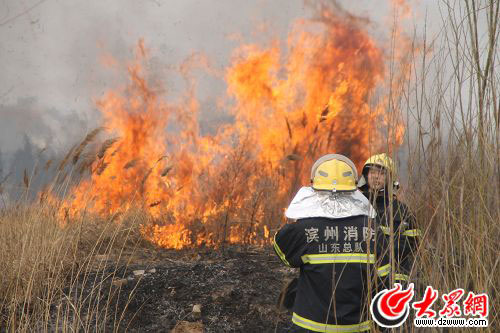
x=390 y=307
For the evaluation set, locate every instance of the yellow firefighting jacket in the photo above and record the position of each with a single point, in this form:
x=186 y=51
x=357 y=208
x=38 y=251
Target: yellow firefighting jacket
x=338 y=260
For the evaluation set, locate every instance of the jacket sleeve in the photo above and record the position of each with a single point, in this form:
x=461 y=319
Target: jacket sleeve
x=383 y=264
x=406 y=238
x=290 y=244
x=406 y=242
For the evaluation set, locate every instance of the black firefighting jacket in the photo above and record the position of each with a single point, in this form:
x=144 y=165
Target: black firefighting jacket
x=338 y=260
x=406 y=234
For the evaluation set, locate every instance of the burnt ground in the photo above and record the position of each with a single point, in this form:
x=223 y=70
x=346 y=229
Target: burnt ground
x=237 y=289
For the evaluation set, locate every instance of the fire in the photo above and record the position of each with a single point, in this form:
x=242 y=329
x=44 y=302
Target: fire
x=290 y=105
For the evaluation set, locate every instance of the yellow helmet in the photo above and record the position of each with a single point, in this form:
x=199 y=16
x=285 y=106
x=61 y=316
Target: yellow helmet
x=381 y=160
x=334 y=172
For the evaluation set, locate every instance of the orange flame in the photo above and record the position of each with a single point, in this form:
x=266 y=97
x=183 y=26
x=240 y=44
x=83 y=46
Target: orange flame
x=290 y=107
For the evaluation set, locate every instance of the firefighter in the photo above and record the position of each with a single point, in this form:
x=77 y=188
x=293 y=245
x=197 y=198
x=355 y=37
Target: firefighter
x=379 y=186
x=334 y=244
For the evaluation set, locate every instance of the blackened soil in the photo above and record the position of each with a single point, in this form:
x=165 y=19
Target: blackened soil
x=237 y=289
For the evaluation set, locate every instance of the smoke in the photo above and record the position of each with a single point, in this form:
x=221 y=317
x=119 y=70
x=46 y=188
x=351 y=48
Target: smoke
x=46 y=127
x=22 y=176
x=30 y=136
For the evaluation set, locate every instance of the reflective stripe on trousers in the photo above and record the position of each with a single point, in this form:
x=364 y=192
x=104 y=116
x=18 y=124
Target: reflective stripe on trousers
x=321 y=327
x=386 y=269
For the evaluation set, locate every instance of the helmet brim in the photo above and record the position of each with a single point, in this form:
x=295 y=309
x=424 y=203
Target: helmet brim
x=337 y=188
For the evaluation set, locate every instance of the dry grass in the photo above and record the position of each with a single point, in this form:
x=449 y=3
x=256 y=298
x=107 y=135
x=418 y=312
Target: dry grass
x=452 y=104
x=44 y=266
x=453 y=184
x=36 y=253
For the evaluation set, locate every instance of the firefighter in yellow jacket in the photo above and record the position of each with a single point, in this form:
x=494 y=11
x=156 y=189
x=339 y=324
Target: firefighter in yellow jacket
x=377 y=182
x=334 y=243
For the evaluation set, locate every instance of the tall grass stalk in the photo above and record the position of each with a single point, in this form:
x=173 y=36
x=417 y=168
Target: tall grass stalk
x=452 y=105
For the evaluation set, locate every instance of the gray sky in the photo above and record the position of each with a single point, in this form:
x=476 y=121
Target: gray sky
x=52 y=53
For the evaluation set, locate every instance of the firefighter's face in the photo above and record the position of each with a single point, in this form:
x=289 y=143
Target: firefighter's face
x=376 y=178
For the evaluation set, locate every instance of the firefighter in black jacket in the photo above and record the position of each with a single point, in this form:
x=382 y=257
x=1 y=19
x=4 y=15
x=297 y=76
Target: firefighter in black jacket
x=378 y=172
x=334 y=243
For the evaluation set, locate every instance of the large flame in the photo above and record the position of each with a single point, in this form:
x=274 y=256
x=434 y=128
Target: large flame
x=290 y=104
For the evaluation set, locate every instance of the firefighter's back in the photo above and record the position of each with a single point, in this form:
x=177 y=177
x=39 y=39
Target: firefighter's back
x=334 y=256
